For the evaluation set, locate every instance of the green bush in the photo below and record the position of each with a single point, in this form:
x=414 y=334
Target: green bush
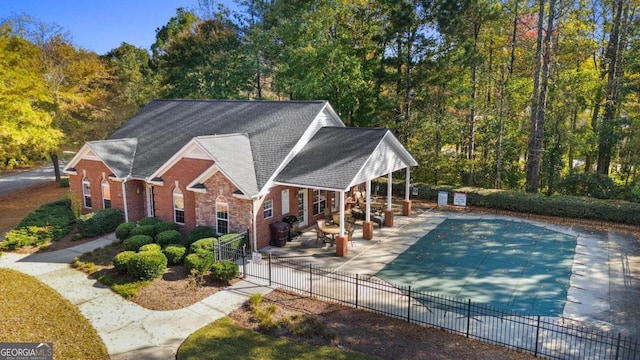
x=203 y=245
x=135 y=242
x=121 y=261
x=576 y=207
x=150 y=247
x=99 y=222
x=147 y=265
x=148 y=230
x=27 y=236
x=174 y=253
x=149 y=221
x=57 y=215
x=164 y=226
x=64 y=182
x=200 y=262
x=224 y=270
x=123 y=230
x=199 y=232
x=168 y=237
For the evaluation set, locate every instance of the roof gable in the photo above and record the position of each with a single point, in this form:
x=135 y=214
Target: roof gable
x=117 y=155
x=333 y=158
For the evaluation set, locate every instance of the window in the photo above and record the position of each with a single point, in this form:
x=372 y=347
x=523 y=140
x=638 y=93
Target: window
x=319 y=201
x=268 y=209
x=178 y=206
x=106 y=194
x=285 y=201
x=86 y=192
x=222 y=215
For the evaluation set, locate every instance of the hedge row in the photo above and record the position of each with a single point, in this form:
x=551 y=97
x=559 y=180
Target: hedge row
x=50 y=222
x=99 y=222
x=555 y=205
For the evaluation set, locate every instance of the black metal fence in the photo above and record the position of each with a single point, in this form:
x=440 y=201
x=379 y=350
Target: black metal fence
x=555 y=338
x=231 y=246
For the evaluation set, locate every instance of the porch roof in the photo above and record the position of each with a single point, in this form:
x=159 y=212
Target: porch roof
x=337 y=158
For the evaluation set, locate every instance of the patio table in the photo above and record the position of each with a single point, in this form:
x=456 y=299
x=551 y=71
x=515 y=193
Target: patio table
x=332 y=230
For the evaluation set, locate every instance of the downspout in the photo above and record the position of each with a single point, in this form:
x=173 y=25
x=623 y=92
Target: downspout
x=124 y=199
x=254 y=245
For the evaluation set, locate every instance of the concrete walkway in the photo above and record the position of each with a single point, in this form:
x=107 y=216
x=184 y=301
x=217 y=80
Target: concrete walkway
x=128 y=330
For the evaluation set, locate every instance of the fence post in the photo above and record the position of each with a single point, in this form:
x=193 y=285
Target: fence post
x=357 y=277
x=535 y=353
x=618 y=347
x=409 y=305
x=244 y=265
x=310 y=281
x=269 y=269
x=219 y=257
x=468 y=317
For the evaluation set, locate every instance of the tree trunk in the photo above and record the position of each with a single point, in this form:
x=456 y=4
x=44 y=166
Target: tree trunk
x=606 y=137
x=471 y=136
x=533 y=153
x=56 y=166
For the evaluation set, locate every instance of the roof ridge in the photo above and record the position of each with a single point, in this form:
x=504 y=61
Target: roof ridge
x=245 y=101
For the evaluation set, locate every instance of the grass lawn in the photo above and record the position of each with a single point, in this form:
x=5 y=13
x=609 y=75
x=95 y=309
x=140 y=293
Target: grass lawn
x=223 y=340
x=33 y=312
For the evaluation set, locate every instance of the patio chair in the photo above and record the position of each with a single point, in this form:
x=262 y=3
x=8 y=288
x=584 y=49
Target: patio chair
x=320 y=235
x=327 y=214
x=350 y=236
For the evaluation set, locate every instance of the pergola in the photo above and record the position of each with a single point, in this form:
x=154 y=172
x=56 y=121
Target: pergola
x=338 y=158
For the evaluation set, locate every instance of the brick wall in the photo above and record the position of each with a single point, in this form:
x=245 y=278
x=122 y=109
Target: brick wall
x=239 y=209
x=262 y=224
x=94 y=172
x=184 y=172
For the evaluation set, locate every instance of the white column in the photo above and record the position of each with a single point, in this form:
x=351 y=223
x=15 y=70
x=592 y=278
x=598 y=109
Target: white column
x=389 y=190
x=407 y=183
x=368 y=202
x=342 y=213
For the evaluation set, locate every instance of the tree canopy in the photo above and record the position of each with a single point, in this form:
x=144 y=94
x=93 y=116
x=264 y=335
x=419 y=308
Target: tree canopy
x=506 y=94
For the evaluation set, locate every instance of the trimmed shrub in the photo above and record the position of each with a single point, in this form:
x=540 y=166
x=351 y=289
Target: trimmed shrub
x=224 y=270
x=121 y=261
x=27 y=236
x=199 y=232
x=174 y=253
x=123 y=230
x=135 y=242
x=168 y=237
x=203 y=246
x=148 y=230
x=149 y=221
x=199 y=262
x=99 y=222
x=56 y=215
x=150 y=247
x=164 y=226
x=147 y=265
x=64 y=182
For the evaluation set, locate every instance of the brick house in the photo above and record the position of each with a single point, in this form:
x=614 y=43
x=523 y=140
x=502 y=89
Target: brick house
x=233 y=165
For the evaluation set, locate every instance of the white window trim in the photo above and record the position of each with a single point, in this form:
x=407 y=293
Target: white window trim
x=319 y=201
x=105 y=184
x=177 y=193
x=285 y=201
x=222 y=203
x=85 y=195
x=267 y=206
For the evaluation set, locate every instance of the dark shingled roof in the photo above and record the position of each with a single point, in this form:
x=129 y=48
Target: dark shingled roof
x=332 y=158
x=117 y=154
x=163 y=127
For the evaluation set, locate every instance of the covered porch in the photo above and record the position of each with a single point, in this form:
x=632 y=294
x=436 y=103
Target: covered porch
x=339 y=161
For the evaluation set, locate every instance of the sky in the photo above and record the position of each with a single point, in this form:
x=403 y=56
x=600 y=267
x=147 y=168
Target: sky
x=102 y=25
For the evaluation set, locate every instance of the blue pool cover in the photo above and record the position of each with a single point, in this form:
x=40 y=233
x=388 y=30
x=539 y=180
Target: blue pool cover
x=511 y=265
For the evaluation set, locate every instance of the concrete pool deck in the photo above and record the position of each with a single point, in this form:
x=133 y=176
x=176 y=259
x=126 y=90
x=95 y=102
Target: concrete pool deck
x=605 y=275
